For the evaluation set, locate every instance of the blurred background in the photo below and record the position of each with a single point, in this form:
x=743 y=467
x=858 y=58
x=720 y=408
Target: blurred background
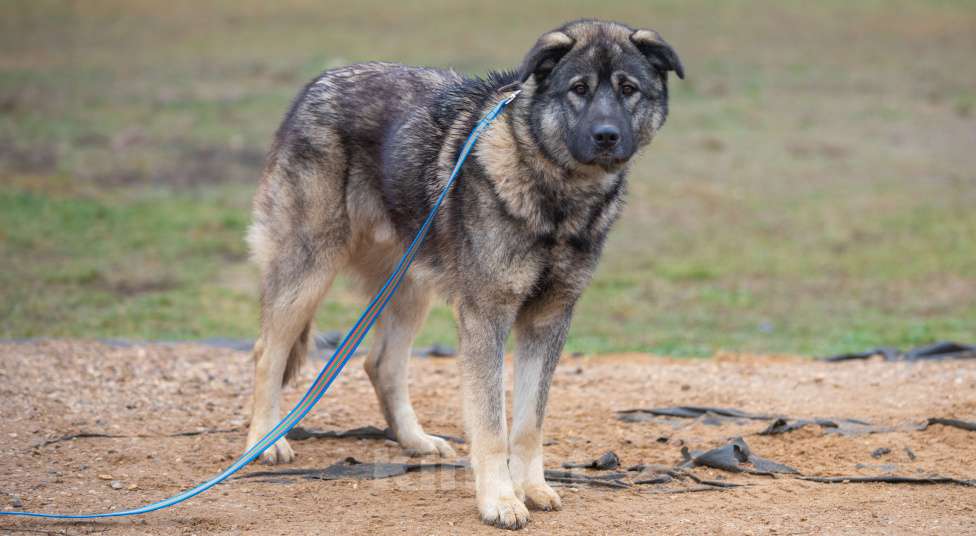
x=813 y=192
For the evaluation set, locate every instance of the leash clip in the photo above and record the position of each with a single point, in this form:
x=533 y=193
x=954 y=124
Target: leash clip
x=510 y=98
x=494 y=112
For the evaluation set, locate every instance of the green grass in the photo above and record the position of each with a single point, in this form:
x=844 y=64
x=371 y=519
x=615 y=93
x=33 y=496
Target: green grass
x=811 y=193
x=143 y=266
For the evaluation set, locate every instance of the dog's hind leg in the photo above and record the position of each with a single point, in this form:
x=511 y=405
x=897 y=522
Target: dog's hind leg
x=299 y=240
x=288 y=307
x=387 y=363
x=540 y=337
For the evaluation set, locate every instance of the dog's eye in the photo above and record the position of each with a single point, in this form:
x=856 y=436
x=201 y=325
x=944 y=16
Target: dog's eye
x=579 y=88
x=628 y=90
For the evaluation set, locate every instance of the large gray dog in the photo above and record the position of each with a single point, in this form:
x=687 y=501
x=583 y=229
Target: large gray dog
x=354 y=170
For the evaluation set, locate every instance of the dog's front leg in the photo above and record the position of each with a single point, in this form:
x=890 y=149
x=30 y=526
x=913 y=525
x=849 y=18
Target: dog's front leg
x=483 y=329
x=541 y=335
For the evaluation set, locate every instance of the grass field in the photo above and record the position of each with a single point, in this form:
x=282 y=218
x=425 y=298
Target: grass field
x=814 y=190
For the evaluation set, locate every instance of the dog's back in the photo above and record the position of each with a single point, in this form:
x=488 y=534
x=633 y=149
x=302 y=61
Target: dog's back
x=323 y=174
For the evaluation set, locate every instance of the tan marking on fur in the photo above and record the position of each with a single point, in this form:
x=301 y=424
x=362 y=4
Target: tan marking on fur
x=555 y=39
x=646 y=36
x=497 y=150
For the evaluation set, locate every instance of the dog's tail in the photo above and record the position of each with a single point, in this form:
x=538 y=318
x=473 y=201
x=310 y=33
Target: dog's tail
x=296 y=357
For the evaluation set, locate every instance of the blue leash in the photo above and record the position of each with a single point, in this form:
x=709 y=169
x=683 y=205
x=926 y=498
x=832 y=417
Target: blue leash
x=335 y=364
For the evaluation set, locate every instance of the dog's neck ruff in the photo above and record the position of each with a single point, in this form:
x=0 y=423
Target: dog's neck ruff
x=339 y=358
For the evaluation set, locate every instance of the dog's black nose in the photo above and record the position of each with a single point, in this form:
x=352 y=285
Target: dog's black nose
x=606 y=136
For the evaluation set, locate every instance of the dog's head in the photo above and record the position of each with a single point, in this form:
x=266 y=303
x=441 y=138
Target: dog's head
x=598 y=91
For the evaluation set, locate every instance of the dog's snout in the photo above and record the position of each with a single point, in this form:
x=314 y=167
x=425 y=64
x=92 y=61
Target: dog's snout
x=606 y=136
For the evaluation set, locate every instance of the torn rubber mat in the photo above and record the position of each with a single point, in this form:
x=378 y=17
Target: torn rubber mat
x=888 y=480
x=939 y=350
x=689 y=412
x=93 y=435
x=781 y=424
x=608 y=460
x=323 y=342
x=353 y=469
x=854 y=427
x=735 y=457
x=300 y=433
x=845 y=427
x=609 y=480
x=955 y=423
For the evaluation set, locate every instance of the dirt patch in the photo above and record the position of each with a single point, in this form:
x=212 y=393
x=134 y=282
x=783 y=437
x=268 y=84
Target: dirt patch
x=148 y=393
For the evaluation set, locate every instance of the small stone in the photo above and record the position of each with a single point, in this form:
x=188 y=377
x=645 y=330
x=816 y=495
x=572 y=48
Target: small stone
x=132 y=487
x=105 y=477
x=116 y=484
x=16 y=502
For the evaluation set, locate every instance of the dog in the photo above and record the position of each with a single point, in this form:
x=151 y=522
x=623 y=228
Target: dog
x=353 y=171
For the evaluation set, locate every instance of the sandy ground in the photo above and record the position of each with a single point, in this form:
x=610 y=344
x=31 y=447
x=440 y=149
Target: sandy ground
x=50 y=389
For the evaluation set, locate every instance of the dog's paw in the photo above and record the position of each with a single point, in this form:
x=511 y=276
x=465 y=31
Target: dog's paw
x=421 y=444
x=280 y=452
x=506 y=512
x=540 y=497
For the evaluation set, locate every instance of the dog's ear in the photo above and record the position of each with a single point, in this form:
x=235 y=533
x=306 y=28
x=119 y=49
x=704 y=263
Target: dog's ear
x=544 y=56
x=657 y=51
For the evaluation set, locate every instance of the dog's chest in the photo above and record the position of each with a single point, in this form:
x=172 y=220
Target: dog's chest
x=516 y=260
x=554 y=246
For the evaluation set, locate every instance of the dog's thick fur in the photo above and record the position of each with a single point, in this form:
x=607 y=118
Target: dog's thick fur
x=353 y=171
